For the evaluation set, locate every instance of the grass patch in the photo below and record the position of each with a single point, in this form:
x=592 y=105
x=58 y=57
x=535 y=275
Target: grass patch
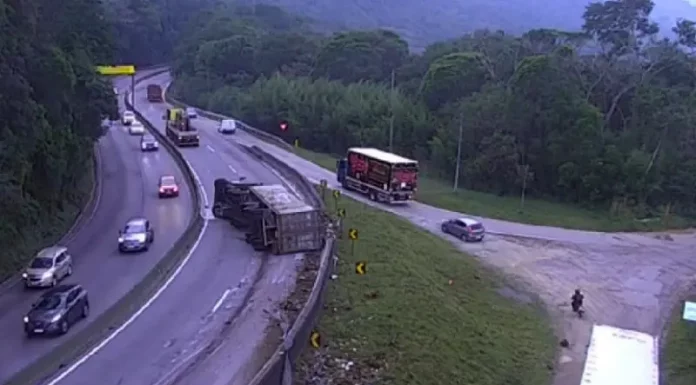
x=49 y=229
x=404 y=323
x=679 y=354
x=438 y=193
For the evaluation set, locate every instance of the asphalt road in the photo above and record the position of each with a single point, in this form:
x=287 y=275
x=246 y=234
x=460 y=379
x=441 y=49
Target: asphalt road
x=630 y=280
x=128 y=188
x=211 y=287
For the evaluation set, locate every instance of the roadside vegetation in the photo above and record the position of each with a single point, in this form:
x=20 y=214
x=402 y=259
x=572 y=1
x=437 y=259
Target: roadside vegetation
x=52 y=103
x=424 y=313
x=596 y=121
x=678 y=360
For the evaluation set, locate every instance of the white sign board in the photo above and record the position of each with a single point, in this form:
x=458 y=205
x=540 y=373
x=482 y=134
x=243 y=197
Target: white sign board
x=690 y=311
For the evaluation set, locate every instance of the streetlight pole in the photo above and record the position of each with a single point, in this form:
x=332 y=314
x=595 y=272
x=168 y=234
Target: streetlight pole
x=391 y=120
x=459 y=151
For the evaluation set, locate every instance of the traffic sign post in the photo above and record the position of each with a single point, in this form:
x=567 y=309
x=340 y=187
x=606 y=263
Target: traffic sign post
x=361 y=268
x=337 y=197
x=123 y=70
x=353 y=235
x=323 y=184
x=315 y=339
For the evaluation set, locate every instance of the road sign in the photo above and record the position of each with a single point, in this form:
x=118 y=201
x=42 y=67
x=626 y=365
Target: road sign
x=336 y=194
x=361 y=268
x=297 y=143
x=353 y=234
x=341 y=213
x=315 y=339
x=323 y=183
x=116 y=70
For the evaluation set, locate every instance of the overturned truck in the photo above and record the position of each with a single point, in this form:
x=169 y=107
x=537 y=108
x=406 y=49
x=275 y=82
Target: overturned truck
x=272 y=218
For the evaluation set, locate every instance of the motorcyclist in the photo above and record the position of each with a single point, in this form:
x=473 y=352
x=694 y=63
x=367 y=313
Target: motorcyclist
x=577 y=299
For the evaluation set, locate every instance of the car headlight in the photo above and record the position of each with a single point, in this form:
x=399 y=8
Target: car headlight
x=156 y=144
x=46 y=275
x=56 y=318
x=25 y=275
x=120 y=239
x=26 y=320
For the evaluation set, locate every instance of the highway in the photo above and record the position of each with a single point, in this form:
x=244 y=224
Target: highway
x=128 y=188
x=212 y=287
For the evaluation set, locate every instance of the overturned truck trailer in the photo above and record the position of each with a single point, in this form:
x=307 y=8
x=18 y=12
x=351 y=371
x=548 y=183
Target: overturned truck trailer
x=272 y=218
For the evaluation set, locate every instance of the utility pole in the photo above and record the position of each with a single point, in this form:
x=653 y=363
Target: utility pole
x=459 y=151
x=391 y=120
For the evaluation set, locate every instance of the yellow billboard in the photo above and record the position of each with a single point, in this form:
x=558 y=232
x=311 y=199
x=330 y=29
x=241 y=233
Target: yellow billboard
x=116 y=70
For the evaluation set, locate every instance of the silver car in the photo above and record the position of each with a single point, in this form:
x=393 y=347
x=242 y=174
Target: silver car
x=137 y=235
x=48 y=267
x=466 y=229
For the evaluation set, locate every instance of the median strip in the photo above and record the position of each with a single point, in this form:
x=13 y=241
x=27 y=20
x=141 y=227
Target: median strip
x=79 y=344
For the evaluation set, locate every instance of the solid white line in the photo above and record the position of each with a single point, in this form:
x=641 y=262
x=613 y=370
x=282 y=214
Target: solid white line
x=200 y=184
x=145 y=306
x=210 y=148
x=220 y=301
x=232 y=168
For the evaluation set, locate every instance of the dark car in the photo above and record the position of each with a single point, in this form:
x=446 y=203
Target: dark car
x=137 y=235
x=168 y=187
x=467 y=229
x=57 y=310
x=148 y=143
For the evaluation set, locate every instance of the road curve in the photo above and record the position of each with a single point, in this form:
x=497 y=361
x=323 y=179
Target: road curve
x=128 y=188
x=631 y=280
x=213 y=285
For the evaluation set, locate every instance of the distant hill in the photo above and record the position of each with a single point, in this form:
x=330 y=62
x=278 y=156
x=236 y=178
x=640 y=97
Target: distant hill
x=422 y=22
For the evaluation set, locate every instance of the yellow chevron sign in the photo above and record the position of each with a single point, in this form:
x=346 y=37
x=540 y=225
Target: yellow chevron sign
x=116 y=70
x=361 y=268
x=315 y=339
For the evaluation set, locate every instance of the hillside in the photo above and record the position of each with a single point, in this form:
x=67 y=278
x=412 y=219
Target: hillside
x=424 y=21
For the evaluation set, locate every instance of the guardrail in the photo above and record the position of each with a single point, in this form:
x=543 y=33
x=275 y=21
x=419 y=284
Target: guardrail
x=278 y=370
x=95 y=332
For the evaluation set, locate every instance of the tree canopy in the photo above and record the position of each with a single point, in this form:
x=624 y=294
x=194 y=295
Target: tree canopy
x=602 y=116
x=52 y=103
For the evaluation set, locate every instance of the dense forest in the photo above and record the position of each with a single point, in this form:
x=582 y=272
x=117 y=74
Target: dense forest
x=424 y=22
x=51 y=104
x=602 y=117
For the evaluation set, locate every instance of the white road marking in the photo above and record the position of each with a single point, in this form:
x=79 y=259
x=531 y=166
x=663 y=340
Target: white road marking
x=232 y=168
x=209 y=148
x=220 y=301
x=145 y=306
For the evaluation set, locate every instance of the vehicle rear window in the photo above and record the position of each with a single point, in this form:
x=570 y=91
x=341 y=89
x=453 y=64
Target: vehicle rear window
x=148 y=138
x=41 y=263
x=476 y=226
x=168 y=180
x=128 y=113
x=134 y=228
x=49 y=302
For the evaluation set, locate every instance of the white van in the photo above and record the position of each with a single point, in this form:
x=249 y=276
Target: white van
x=128 y=118
x=227 y=126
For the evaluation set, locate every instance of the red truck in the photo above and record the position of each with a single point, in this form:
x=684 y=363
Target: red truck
x=383 y=176
x=154 y=93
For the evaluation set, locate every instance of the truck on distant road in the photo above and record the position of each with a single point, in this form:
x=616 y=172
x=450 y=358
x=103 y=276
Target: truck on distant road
x=272 y=218
x=154 y=93
x=179 y=128
x=383 y=176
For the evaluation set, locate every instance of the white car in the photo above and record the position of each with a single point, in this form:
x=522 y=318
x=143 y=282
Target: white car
x=136 y=128
x=128 y=118
x=227 y=126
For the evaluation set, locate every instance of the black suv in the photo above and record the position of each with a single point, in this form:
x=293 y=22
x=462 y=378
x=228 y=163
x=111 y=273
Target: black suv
x=57 y=310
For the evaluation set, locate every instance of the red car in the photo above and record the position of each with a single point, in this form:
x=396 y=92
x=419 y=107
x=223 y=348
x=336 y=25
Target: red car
x=168 y=187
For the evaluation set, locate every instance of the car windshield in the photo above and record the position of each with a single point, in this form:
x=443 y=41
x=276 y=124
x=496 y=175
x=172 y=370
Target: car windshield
x=167 y=181
x=41 y=263
x=191 y=110
x=476 y=226
x=148 y=138
x=137 y=123
x=128 y=114
x=134 y=228
x=49 y=302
